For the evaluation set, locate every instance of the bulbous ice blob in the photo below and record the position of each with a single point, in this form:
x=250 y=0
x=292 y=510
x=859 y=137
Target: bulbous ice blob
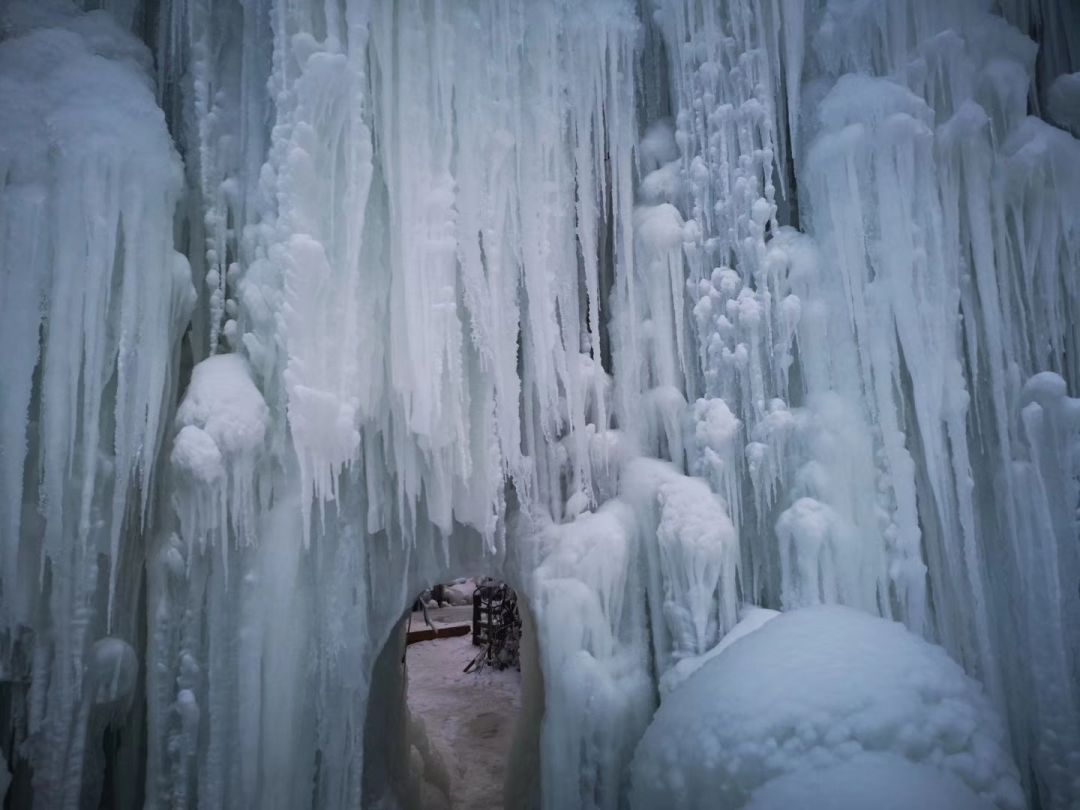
x=115 y=669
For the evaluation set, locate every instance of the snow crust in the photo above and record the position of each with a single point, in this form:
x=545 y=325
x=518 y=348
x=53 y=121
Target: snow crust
x=812 y=698
x=468 y=719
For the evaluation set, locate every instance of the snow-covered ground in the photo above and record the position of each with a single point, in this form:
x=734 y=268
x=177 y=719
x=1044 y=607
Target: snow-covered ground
x=469 y=717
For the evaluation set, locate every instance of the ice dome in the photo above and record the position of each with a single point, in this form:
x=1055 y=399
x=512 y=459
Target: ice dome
x=817 y=691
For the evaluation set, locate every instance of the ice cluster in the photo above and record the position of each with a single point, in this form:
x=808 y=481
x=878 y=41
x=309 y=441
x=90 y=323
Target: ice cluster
x=741 y=338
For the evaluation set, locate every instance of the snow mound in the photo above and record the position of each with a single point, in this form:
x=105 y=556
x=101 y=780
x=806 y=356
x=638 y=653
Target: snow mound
x=881 y=781
x=812 y=690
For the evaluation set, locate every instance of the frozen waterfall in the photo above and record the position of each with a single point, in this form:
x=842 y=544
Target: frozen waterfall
x=741 y=338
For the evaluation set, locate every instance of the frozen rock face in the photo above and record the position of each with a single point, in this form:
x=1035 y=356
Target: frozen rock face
x=832 y=702
x=673 y=314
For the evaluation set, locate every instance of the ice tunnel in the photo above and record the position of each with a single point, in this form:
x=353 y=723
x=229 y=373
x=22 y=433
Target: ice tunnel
x=741 y=338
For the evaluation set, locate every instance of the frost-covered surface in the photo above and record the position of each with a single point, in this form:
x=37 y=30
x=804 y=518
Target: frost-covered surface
x=670 y=313
x=803 y=699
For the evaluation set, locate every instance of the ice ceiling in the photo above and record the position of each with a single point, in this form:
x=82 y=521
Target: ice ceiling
x=672 y=313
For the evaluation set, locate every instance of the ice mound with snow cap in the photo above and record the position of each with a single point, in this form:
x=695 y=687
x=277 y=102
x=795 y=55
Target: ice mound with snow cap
x=826 y=702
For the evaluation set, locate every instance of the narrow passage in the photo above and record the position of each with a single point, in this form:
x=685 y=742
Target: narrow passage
x=469 y=716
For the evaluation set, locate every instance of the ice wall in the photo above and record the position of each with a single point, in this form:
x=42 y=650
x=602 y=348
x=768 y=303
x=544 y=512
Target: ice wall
x=94 y=302
x=420 y=295
x=885 y=441
x=671 y=313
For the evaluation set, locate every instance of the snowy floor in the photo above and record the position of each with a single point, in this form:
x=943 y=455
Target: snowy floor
x=469 y=717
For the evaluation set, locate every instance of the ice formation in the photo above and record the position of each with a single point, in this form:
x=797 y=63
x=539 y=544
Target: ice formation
x=818 y=689
x=673 y=314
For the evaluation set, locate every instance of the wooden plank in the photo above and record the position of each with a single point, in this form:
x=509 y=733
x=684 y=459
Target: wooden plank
x=430 y=634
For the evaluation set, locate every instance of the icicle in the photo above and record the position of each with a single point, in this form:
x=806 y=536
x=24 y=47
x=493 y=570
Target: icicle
x=89 y=183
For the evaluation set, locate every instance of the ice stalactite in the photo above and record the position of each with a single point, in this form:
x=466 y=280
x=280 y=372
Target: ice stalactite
x=598 y=697
x=399 y=226
x=672 y=313
x=689 y=548
x=423 y=312
x=212 y=83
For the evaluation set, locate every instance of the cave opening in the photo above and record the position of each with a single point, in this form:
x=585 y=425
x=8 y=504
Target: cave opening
x=457 y=701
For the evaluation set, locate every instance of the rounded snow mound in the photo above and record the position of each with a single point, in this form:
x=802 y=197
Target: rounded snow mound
x=818 y=691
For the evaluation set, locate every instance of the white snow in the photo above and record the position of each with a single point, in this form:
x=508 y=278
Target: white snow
x=223 y=404
x=810 y=692
x=468 y=717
